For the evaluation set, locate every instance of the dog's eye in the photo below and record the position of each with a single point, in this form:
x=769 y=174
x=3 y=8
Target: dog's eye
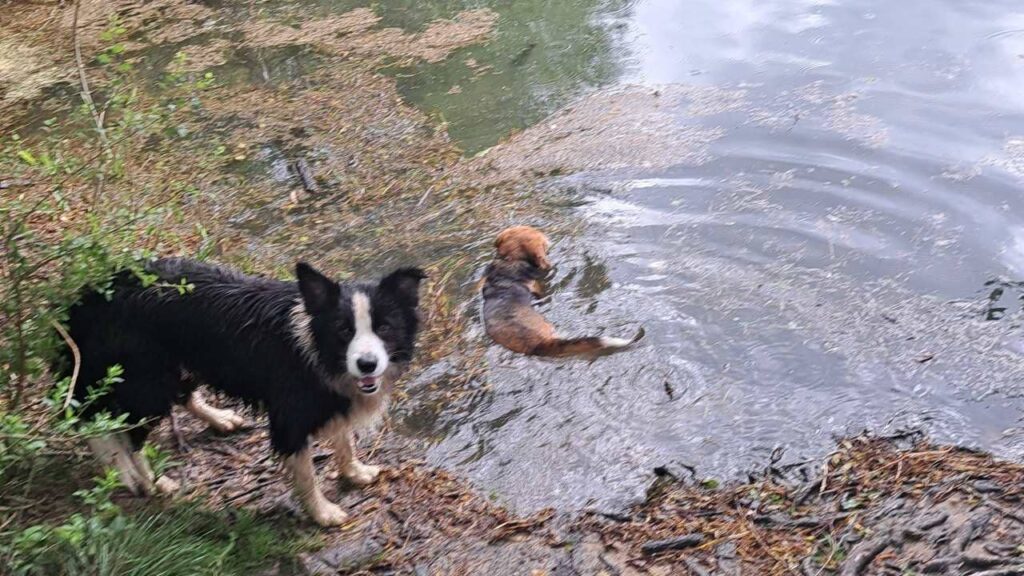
x=384 y=330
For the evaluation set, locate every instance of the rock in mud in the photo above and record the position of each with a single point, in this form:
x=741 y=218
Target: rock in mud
x=343 y=557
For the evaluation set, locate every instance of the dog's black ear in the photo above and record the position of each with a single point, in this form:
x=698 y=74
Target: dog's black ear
x=319 y=293
x=404 y=285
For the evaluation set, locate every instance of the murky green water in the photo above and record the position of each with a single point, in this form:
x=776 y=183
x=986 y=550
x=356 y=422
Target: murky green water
x=543 y=55
x=844 y=256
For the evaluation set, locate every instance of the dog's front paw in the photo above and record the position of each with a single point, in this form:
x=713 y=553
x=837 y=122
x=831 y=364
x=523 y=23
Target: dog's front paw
x=361 y=474
x=225 y=421
x=166 y=486
x=328 y=514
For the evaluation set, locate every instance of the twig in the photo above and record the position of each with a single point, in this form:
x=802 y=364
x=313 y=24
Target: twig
x=83 y=80
x=824 y=475
x=251 y=493
x=379 y=439
x=868 y=552
x=11 y=183
x=1008 y=571
x=306 y=176
x=1008 y=513
x=755 y=534
x=78 y=360
x=179 y=437
x=694 y=567
x=677 y=543
x=87 y=97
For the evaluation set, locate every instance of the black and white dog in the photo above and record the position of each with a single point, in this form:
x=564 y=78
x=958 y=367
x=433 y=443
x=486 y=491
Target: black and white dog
x=320 y=357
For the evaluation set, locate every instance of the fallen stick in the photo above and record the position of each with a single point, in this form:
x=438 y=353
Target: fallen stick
x=984 y=560
x=78 y=361
x=1008 y=571
x=5 y=184
x=868 y=551
x=677 y=543
x=695 y=567
x=1007 y=513
x=306 y=176
x=939 y=565
x=787 y=522
x=932 y=522
x=969 y=532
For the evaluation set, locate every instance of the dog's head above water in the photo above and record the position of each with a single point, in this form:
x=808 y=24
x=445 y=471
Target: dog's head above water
x=524 y=243
x=357 y=332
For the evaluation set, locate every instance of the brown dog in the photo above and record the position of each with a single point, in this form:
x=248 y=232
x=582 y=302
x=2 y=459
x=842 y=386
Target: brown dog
x=509 y=287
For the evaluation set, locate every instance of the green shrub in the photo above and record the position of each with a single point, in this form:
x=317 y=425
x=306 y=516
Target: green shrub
x=72 y=228
x=182 y=541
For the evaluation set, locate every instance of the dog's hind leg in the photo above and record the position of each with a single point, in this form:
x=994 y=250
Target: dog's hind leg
x=220 y=419
x=114 y=451
x=161 y=485
x=323 y=511
x=345 y=458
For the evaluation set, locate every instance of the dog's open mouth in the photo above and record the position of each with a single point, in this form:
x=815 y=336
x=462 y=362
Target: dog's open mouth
x=369 y=384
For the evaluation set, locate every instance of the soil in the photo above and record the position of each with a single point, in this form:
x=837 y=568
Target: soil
x=393 y=188
x=896 y=505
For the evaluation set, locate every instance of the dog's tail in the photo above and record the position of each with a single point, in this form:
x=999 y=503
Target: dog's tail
x=586 y=346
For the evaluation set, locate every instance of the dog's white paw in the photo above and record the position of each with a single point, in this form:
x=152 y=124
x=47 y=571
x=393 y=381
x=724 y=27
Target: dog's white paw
x=225 y=421
x=167 y=486
x=328 y=514
x=136 y=481
x=135 y=484
x=361 y=474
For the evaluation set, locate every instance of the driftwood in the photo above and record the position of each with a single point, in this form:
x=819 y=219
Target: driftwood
x=302 y=170
x=864 y=553
x=12 y=182
x=677 y=543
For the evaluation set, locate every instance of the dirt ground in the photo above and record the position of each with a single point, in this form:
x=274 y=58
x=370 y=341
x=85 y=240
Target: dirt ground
x=896 y=505
x=390 y=186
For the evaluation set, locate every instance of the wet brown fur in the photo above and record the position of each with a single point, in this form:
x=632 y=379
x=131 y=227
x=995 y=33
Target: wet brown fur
x=510 y=284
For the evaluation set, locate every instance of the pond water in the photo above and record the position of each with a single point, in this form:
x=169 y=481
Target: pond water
x=844 y=254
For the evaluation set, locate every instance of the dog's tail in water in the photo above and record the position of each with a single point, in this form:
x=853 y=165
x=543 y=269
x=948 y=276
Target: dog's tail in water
x=586 y=346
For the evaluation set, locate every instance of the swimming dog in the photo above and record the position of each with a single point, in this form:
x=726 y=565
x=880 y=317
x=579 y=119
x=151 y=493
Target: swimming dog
x=319 y=356
x=510 y=284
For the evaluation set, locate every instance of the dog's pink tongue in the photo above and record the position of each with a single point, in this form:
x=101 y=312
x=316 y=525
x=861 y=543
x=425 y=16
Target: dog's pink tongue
x=368 y=381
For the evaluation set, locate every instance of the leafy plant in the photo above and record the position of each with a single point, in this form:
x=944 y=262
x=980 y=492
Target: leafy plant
x=78 y=222
x=184 y=540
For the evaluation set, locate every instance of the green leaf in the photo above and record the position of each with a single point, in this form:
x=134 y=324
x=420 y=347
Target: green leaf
x=27 y=157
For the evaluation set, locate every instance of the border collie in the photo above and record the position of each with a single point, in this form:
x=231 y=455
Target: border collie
x=320 y=357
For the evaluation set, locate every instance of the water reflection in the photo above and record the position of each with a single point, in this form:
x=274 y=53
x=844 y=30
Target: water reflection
x=845 y=255
x=543 y=55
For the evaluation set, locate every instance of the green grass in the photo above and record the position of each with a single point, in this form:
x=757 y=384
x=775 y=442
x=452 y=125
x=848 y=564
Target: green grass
x=184 y=540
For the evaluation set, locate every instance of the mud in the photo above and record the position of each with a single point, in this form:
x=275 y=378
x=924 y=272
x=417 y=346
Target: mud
x=892 y=505
x=618 y=128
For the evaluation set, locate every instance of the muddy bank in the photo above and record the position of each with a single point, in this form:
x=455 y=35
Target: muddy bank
x=873 y=506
